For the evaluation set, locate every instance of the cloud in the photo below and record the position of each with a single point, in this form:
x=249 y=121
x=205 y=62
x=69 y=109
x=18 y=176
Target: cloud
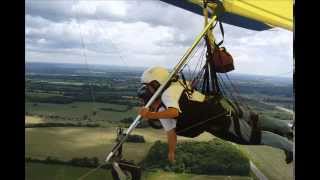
x=141 y=33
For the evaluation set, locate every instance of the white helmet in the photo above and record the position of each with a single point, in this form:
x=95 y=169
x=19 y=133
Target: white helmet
x=157 y=73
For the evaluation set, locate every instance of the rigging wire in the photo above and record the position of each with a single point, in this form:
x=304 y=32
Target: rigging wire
x=118 y=52
x=200 y=61
x=90 y=86
x=223 y=86
x=29 y=109
x=226 y=87
x=191 y=56
x=195 y=80
x=189 y=71
x=84 y=55
x=199 y=79
x=91 y=171
x=122 y=60
x=111 y=42
x=238 y=96
x=231 y=95
x=200 y=55
x=235 y=88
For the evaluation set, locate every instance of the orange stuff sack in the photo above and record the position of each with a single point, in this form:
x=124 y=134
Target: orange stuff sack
x=222 y=60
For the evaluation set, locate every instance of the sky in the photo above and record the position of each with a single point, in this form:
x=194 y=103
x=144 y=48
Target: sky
x=142 y=33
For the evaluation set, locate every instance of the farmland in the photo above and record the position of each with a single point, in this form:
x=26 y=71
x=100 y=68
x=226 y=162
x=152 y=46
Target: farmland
x=66 y=142
x=70 y=95
x=37 y=171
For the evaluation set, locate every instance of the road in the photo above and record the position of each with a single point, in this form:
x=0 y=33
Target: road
x=257 y=172
x=285 y=109
x=254 y=168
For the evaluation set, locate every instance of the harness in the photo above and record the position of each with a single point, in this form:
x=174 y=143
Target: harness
x=196 y=116
x=216 y=112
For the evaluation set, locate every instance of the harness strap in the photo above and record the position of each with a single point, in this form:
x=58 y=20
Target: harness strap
x=255 y=137
x=185 y=85
x=256 y=129
x=222 y=32
x=201 y=122
x=237 y=126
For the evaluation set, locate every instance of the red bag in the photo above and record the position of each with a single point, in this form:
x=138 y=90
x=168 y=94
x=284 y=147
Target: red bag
x=222 y=60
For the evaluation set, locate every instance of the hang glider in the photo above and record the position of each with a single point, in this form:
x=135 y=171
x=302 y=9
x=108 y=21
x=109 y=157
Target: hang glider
x=256 y=15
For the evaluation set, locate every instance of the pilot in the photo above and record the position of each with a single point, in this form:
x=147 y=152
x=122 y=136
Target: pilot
x=175 y=109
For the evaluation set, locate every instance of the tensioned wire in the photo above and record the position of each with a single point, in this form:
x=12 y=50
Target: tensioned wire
x=222 y=88
x=190 y=58
x=85 y=57
x=100 y=27
x=90 y=85
x=199 y=64
x=236 y=89
x=237 y=97
x=83 y=45
x=199 y=60
x=124 y=62
x=192 y=55
x=199 y=74
x=93 y=170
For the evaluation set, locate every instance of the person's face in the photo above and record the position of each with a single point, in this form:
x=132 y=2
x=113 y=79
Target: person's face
x=145 y=92
x=156 y=103
x=151 y=89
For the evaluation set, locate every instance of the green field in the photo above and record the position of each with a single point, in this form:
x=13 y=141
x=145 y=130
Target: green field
x=111 y=113
x=65 y=143
x=37 y=171
x=161 y=175
x=78 y=110
x=62 y=98
x=33 y=120
x=270 y=161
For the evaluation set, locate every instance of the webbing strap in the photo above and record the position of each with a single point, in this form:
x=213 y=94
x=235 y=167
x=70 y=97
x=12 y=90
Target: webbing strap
x=185 y=85
x=256 y=129
x=237 y=126
x=202 y=122
x=222 y=32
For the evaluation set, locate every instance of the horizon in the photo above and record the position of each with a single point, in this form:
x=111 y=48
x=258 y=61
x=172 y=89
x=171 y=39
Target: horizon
x=145 y=67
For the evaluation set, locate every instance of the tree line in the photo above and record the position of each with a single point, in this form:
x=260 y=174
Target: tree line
x=215 y=157
x=79 y=162
x=39 y=125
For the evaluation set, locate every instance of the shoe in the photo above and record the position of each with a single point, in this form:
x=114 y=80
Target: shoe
x=289 y=156
x=254 y=120
x=289 y=135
